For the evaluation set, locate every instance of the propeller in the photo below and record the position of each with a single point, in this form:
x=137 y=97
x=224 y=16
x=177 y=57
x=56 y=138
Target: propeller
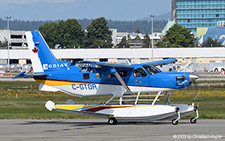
x=193 y=79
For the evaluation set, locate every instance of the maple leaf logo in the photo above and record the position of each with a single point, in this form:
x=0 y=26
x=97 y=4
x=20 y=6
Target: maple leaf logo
x=35 y=50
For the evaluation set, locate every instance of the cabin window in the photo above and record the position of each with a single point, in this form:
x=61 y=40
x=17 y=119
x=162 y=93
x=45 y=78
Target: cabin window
x=97 y=75
x=110 y=75
x=123 y=73
x=85 y=76
x=151 y=69
x=139 y=73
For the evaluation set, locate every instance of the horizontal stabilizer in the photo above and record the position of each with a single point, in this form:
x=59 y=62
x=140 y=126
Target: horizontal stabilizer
x=22 y=74
x=35 y=74
x=31 y=75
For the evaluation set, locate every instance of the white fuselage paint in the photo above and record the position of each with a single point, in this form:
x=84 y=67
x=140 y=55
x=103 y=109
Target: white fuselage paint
x=36 y=63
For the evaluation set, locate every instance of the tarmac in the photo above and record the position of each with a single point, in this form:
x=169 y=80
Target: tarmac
x=99 y=130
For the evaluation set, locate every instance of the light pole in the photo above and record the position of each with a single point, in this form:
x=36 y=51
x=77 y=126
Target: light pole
x=152 y=16
x=8 y=18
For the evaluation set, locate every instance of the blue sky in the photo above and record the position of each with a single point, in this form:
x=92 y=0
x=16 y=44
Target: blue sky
x=90 y=9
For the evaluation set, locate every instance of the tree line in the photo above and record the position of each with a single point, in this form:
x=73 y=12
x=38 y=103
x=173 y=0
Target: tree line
x=121 y=26
x=69 y=34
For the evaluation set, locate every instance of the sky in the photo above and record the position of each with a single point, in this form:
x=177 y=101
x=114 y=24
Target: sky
x=79 y=9
x=5 y=2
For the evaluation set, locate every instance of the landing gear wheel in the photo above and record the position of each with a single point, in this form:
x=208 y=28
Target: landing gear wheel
x=112 y=121
x=193 y=120
x=174 y=121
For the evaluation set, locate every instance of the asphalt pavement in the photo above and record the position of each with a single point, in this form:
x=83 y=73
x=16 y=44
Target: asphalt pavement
x=99 y=130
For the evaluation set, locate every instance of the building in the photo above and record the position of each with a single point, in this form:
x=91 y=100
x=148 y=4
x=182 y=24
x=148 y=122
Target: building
x=111 y=55
x=198 y=13
x=210 y=57
x=167 y=27
x=17 y=39
x=217 y=33
x=117 y=37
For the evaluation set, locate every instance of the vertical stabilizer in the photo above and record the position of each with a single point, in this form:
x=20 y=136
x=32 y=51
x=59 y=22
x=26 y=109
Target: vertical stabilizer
x=42 y=58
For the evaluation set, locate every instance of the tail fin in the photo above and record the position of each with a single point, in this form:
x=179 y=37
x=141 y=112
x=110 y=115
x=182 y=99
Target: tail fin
x=41 y=57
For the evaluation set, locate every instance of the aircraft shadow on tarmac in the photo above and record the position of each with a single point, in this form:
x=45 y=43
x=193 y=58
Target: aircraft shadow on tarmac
x=98 y=123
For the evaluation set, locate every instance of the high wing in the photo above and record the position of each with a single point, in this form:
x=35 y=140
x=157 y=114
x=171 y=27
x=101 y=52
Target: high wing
x=129 y=66
x=110 y=65
x=161 y=62
x=111 y=68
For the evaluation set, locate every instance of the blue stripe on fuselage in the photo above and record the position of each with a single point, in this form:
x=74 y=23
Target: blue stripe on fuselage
x=159 y=80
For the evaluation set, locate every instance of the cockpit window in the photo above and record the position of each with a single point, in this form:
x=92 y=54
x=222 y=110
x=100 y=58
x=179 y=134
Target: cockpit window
x=151 y=69
x=139 y=73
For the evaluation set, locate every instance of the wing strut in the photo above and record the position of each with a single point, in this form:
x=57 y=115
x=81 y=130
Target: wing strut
x=121 y=81
x=157 y=96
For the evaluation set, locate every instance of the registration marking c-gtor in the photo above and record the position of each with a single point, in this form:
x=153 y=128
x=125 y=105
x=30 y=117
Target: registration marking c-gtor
x=84 y=86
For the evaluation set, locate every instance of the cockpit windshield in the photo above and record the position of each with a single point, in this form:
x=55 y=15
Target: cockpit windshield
x=151 y=69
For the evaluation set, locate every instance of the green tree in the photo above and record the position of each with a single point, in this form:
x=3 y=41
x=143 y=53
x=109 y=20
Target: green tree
x=178 y=36
x=211 y=43
x=98 y=34
x=4 y=43
x=68 y=33
x=71 y=33
x=50 y=32
x=123 y=43
x=146 y=41
x=129 y=38
x=160 y=44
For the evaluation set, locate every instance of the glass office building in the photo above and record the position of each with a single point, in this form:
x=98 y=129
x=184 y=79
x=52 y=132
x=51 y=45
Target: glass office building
x=198 y=13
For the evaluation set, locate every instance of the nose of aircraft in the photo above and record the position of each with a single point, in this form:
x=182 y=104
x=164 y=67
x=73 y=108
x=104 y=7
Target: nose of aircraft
x=193 y=77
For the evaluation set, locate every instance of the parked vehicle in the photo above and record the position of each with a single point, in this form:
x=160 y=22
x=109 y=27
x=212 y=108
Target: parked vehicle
x=15 y=68
x=26 y=67
x=218 y=69
x=2 y=67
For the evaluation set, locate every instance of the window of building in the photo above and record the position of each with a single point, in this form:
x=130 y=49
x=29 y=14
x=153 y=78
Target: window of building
x=28 y=61
x=16 y=36
x=14 y=61
x=103 y=60
x=16 y=44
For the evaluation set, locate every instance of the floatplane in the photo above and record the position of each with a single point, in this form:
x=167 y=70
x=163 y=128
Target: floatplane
x=121 y=81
